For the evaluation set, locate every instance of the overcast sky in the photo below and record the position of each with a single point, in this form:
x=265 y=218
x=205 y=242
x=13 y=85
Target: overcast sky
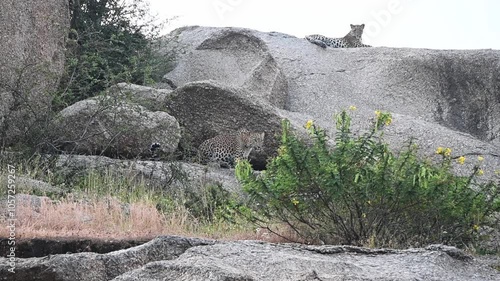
x=437 y=24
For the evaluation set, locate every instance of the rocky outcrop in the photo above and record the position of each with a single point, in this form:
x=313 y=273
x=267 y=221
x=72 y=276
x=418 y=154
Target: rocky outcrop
x=35 y=186
x=32 y=38
x=98 y=267
x=438 y=97
x=232 y=78
x=233 y=57
x=151 y=98
x=207 y=108
x=42 y=247
x=176 y=258
x=178 y=175
x=263 y=261
x=110 y=126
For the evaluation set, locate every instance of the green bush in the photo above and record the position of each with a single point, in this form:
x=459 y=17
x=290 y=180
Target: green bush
x=110 y=41
x=361 y=193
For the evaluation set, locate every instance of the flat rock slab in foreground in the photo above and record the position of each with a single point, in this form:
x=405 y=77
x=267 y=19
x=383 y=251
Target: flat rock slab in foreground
x=249 y=260
x=177 y=258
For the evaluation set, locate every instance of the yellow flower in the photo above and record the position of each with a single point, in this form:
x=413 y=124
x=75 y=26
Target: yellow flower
x=480 y=172
x=377 y=112
x=388 y=121
x=309 y=124
x=282 y=150
x=295 y=201
x=444 y=151
x=461 y=160
x=475 y=227
x=480 y=158
x=352 y=107
x=363 y=215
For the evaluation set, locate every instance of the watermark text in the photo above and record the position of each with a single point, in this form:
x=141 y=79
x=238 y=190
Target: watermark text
x=383 y=17
x=222 y=7
x=11 y=217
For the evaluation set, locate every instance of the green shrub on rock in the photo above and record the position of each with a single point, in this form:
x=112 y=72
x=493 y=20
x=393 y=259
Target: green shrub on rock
x=110 y=41
x=360 y=192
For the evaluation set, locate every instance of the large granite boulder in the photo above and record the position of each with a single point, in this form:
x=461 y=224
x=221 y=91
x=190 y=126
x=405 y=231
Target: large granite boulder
x=234 y=57
x=151 y=98
x=116 y=127
x=32 y=45
x=205 y=109
x=247 y=260
x=97 y=267
x=176 y=258
x=448 y=98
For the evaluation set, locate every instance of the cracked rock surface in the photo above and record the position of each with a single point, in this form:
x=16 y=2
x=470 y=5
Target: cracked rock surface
x=177 y=258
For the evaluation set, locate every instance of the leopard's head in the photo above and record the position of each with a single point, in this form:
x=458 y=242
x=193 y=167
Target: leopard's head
x=254 y=140
x=257 y=140
x=357 y=30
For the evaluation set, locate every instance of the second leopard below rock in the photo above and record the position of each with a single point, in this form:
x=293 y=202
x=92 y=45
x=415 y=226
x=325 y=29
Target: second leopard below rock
x=225 y=149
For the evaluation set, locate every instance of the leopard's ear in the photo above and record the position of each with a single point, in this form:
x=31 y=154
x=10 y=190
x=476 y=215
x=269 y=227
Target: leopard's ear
x=352 y=26
x=363 y=25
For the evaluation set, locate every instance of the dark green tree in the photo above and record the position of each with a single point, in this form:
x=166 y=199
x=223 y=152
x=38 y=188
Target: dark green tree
x=110 y=41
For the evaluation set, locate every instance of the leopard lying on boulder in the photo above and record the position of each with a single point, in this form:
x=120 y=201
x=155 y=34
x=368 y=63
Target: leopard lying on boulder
x=226 y=149
x=351 y=40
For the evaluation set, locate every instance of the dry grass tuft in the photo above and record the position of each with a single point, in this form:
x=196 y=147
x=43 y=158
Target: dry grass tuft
x=99 y=218
x=95 y=209
x=108 y=218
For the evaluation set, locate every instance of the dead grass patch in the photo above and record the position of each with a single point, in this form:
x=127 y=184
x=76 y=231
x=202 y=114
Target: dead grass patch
x=108 y=218
x=100 y=218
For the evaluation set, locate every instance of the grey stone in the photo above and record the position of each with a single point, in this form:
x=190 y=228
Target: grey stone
x=207 y=108
x=177 y=258
x=32 y=45
x=247 y=260
x=232 y=57
x=111 y=126
x=98 y=267
x=29 y=186
x=178 y=175
x=151 y=98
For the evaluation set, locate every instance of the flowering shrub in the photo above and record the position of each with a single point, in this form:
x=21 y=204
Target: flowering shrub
x=359 y=192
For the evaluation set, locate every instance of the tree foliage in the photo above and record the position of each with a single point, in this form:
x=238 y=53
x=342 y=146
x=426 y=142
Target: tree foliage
x=110 y=41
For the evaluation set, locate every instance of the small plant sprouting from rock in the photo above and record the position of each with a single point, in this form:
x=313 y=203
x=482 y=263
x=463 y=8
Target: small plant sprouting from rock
x=361 y=193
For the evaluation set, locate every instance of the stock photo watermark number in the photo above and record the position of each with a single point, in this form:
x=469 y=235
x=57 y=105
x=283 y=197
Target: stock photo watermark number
x=11 y=217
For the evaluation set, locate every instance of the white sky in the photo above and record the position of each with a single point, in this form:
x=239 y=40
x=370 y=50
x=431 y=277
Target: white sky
x=437 y=24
